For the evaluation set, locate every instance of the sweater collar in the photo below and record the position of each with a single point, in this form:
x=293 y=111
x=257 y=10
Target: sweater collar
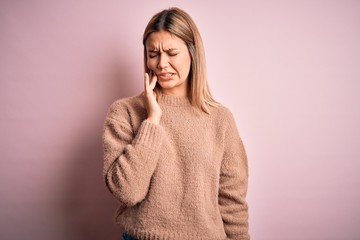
x=172 y=100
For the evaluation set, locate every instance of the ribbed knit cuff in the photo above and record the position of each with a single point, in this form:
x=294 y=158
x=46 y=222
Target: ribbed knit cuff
x=149 y=135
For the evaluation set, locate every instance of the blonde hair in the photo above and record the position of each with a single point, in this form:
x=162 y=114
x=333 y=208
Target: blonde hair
x=180 y=24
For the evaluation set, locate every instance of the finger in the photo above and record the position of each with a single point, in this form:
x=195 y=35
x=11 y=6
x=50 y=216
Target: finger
x=153 y=82
x=155 y=95
x=151 y=73
x=146 y=82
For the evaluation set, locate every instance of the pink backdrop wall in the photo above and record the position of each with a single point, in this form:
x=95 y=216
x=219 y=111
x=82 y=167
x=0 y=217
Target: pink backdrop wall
x=289 y=71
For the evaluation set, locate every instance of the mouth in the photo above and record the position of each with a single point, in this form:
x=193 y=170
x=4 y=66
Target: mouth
x=166 y=76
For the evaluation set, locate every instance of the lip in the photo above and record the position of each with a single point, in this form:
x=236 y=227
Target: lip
x=165 y=75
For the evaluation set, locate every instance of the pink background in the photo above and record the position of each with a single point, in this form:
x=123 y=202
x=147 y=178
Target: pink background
x=288 y=70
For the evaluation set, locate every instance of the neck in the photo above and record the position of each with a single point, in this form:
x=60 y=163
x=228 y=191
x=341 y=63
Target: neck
x=173 y=100
x=179 y=91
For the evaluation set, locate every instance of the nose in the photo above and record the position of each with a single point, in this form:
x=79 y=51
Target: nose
x=163 y=61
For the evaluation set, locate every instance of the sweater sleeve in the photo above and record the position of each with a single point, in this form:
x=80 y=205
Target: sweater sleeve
x=130 y=158
x=233 y=185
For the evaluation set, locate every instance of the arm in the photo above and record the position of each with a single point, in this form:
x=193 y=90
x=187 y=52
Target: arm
x=233 y=185
x=129 y=161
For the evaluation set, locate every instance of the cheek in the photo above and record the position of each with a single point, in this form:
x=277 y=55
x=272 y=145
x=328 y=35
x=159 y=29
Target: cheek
x=150 y=64
x=186 y=65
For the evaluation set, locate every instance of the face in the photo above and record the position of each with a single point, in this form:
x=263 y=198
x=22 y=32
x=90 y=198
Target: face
x=168 y=57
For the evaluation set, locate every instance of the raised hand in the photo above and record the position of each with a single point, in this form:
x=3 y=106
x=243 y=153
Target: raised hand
x=152 y=107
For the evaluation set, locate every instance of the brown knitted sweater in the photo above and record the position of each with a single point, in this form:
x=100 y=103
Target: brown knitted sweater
x=185 y=178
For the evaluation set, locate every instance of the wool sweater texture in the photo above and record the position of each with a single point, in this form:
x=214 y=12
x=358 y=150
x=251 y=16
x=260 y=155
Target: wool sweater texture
x=185 y=178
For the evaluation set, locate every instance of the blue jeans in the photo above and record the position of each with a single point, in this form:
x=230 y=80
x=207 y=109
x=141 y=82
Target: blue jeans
x=126 y=236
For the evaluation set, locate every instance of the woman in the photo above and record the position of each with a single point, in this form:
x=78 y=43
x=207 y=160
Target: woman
x=172 y=155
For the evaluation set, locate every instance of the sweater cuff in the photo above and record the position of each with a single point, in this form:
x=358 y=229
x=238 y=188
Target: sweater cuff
x=149 y=135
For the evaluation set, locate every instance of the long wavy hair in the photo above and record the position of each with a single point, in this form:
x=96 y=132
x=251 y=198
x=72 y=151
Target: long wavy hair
x=180 y=24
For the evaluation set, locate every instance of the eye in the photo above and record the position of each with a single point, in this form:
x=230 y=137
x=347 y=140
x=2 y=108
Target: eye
x=173 y=54
x=152 y=55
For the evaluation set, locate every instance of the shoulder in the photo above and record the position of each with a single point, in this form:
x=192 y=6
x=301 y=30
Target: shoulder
x=128 y=102
x=224 y=120
x=126 y=107
x=221 y=113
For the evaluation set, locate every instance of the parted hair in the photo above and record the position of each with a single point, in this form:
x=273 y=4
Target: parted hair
x=179 y=23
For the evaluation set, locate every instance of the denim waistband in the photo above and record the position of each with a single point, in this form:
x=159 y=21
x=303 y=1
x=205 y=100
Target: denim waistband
x=126 y=236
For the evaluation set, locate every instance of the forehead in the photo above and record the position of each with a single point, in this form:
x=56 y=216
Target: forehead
x=164 y=39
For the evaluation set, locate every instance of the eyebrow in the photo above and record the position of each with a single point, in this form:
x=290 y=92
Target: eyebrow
x=168 y=50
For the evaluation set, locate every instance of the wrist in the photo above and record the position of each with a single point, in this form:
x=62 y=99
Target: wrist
x=153 y=120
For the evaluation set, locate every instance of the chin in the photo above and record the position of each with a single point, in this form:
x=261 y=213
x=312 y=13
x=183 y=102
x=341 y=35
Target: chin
x=166 y=85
